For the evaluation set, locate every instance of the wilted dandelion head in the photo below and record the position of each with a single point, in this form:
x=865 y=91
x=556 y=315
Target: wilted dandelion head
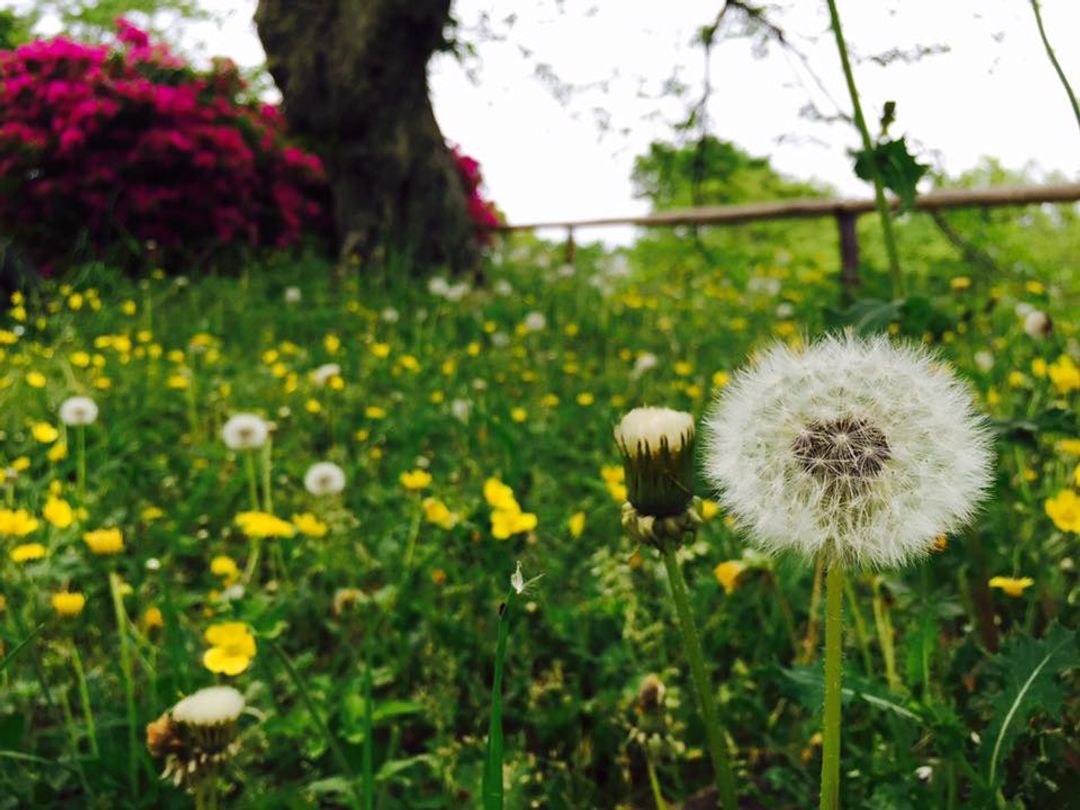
x=324 y=478
x=197 y=734
x=859 y=448
x=76 y=411
x=245 y=431
x=323 y=373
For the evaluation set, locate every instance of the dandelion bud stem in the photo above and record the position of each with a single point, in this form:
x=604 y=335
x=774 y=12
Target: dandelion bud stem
x=830 y=746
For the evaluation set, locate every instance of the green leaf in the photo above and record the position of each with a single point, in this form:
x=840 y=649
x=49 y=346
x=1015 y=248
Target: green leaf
x=18 y=648
x=894 y=165
x=1031 y=670
x=492 y=788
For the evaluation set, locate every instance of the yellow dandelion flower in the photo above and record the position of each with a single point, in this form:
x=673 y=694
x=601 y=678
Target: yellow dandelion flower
x=17 y=523
x=104 y=541
x=153 y=618
x=1070 y=446
x=1064 y=510
x=709 y=509
x=68 y=605
x=58 y=512
x=44 y=432
x=585 y=399
x=380 y=350
x=498 y=495
x=415 y=480
x=576 y=524
x=1012 y=586
x=27 y=552
x=728 y=573
x=438 y=513
x=374 y=412
x=519 y=415
x=1064 y=374
x=35 y=379
x=226 y=568
x=309 y=525
x=263 y=525
x=58 y=452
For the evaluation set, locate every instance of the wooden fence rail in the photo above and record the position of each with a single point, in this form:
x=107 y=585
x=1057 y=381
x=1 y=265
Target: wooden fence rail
x=844 y=211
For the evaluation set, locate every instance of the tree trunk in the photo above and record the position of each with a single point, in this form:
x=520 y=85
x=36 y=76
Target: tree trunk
x=353 y=74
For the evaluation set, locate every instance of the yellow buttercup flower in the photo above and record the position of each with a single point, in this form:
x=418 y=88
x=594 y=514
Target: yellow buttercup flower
x=1070 y=446
x=437 y=512
x=374 y=412
x=262 y=525
x=226 y=568
x=728 y=573
x=44 y=432
x=1064 y=510
x=27 y=552
x=58 y=512
x=576 y=524
x=17 y=523
x=1064 y=374
x=68 y=605
x=415 y=480
x=1011 y=586
x=498 y=495
x=309 y=525
x=152 y=513
x=104 y=541
x=58 y=452
x=507 y=522
x=232 y=648
x=380 y=349
x=153 y=618
x=709 y=509
x=35 y=379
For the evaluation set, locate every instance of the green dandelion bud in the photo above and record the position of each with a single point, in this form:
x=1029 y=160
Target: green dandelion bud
x=657 y=445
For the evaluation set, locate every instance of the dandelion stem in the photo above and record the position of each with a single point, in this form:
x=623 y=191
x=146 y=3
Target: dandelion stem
x=267 y=470
x=129 y=682
x=1054 y=61
x=868 y=147
x=81 y=462
x=253 y=485
x=654 y=783
x=725 y=779
x=830 y=746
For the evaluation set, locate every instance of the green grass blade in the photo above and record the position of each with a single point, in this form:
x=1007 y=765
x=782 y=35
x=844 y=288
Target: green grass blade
x=493 y=784
x=18 y=647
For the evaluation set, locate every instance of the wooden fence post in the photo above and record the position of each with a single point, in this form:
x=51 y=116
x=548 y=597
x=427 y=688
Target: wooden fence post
x=849 y=251
x=570 y=246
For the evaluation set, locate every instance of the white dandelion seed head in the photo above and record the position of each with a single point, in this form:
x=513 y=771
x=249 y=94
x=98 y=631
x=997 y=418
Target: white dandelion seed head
x=455 y=292
x=212 y=706
x=861 y=448
x=293 y=295
x=502 y=288
x=535 y=321
x=245 y=431
x=645 y=362
x=78 y=411
x=324 y=478
x=1038 y=324
x=323 y=373
x=984 y=360
x=461 y=409
x=438 y=286
x=643 y=431
x=390 y=315
x=500 y=340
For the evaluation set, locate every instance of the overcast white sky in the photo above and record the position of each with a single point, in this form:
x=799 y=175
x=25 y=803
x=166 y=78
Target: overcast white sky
x=994 y=93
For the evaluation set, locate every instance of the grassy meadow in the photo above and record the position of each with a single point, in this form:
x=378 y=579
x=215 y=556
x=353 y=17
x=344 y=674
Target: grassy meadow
x=474 y=428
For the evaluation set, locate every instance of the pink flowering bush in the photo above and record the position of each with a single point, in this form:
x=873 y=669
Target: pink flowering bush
x=482 y=212
x=104 y=147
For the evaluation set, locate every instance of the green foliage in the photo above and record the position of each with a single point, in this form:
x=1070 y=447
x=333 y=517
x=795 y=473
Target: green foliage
x=14 y=30
x=899 y=171
x=94 y=20
x=710 y=172
x=1031 y=681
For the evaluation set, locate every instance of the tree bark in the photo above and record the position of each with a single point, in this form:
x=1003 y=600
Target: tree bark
x=353 y=74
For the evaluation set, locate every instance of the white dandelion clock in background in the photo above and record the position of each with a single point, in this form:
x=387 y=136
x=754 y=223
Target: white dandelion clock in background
x=853 y=452
x=324 y=478
x=78 y=411
x=862 y=450
x=245 y=431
